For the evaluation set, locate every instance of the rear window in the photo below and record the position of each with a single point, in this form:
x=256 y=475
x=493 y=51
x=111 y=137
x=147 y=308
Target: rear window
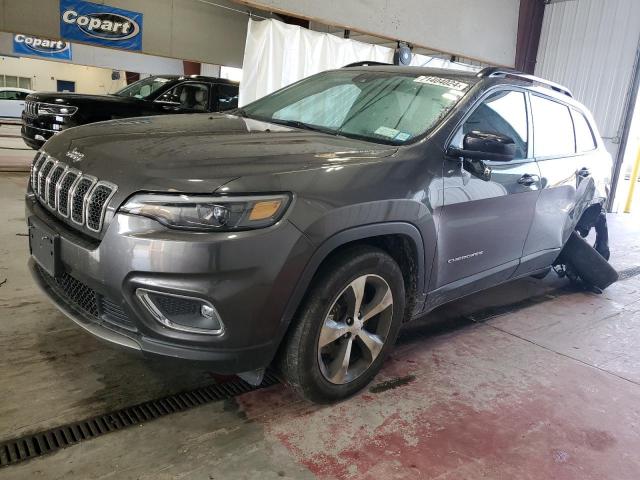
x=553 y=128
x=585 y=140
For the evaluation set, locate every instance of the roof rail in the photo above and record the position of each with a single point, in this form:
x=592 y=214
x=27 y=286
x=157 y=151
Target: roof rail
x=366 y=63
x=492 y=72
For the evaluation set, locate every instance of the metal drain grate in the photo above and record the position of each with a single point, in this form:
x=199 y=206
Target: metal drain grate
x=42 y=443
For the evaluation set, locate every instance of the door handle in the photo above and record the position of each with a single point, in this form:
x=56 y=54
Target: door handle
x=527 y=179
x=583 y=172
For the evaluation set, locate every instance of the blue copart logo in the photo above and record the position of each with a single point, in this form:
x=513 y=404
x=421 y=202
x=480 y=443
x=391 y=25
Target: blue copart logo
x=100 y=24
x=105 y=26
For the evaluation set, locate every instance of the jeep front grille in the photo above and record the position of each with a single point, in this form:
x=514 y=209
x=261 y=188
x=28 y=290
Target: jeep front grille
x=31 y=108
x=69 y=193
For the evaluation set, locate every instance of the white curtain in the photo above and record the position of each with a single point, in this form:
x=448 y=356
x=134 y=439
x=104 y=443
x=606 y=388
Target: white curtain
x=277 y=54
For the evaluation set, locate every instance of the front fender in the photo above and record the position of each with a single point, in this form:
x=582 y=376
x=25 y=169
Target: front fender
x=347 y=236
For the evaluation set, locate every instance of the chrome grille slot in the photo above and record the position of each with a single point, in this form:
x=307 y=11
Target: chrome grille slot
x=35 y=168
x=96 y=205
x=78 y=198
x=52 y=182
x=63 y=188
x=42 y=175
x=31 y=108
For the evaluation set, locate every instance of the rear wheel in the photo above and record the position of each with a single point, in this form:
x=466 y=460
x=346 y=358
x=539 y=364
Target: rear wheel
x=347 y=325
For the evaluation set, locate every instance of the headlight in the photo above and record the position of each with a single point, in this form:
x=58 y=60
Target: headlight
x=209 y=213
x=51 y=109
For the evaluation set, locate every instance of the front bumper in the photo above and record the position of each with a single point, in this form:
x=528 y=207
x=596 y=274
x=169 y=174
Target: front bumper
x=247 y=276
x=37 y=130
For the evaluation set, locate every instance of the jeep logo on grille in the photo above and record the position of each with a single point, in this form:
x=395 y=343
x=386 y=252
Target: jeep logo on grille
x=100 y=24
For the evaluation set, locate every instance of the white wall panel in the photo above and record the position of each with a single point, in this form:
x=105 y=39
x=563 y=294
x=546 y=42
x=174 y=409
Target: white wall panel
x=590 y=46
x=277 y=54
x=44 y=75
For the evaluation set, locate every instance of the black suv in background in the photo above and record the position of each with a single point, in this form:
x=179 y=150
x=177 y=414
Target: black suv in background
x=303 y=229
x=46 y=114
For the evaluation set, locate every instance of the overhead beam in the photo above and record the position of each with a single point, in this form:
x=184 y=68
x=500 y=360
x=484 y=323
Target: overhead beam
x=484 y=31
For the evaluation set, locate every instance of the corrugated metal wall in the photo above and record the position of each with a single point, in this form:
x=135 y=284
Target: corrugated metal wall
x=590 y=46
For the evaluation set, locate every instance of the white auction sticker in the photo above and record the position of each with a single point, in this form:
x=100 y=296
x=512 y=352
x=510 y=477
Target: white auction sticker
x=441 y=82
x=387 y=132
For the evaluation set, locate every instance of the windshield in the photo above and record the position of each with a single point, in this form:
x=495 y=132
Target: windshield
x=143 y=88
x=382 y=107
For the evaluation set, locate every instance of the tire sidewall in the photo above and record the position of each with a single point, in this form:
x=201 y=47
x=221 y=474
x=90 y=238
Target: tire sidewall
x=327 y=290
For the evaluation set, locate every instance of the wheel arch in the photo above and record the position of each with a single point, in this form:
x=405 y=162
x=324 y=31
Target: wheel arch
x=371 y=233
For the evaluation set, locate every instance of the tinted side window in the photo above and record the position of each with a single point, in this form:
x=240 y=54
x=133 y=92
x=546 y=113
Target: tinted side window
x=188 y=96
x=503 y=112
x=21 y=95
x=584 y=135
x=8 y=95
x=553 y=128
x=227 y=97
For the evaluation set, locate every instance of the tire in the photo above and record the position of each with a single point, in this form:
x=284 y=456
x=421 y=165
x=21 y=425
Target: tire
x=584 y=260
x=313 y=371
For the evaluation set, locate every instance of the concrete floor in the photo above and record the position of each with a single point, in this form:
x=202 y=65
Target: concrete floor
x=548 y=390
x=15 y=155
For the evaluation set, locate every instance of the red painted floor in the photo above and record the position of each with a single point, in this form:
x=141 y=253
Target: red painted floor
x=548 y=392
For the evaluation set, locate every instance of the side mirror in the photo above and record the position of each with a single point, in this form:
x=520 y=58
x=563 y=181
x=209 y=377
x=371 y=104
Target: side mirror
x=485 y=146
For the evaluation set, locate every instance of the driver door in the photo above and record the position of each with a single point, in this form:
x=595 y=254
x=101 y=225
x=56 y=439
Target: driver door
x=488 y=205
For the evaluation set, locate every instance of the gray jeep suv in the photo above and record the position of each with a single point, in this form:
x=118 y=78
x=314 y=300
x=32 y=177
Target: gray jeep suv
x=302 y=230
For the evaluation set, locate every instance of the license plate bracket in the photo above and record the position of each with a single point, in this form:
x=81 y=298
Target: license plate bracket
x=44 y=244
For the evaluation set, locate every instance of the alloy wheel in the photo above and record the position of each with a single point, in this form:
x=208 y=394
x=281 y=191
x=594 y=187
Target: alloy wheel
x=355 y=329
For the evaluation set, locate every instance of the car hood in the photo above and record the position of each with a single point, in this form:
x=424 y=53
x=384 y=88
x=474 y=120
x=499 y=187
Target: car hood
x=200 y=152
x=79 y=99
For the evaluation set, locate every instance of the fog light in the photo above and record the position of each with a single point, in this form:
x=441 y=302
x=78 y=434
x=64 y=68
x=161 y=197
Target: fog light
x=181 y=312
x=207 y=311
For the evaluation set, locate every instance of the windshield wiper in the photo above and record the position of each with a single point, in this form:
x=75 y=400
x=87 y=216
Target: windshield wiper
x=305 y=126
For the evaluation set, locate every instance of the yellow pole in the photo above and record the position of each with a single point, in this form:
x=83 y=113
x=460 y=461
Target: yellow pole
x=634 y=180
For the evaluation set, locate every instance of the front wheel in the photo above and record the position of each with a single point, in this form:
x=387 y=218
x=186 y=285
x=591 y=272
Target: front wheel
x=348 y=323
x=587 y=263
